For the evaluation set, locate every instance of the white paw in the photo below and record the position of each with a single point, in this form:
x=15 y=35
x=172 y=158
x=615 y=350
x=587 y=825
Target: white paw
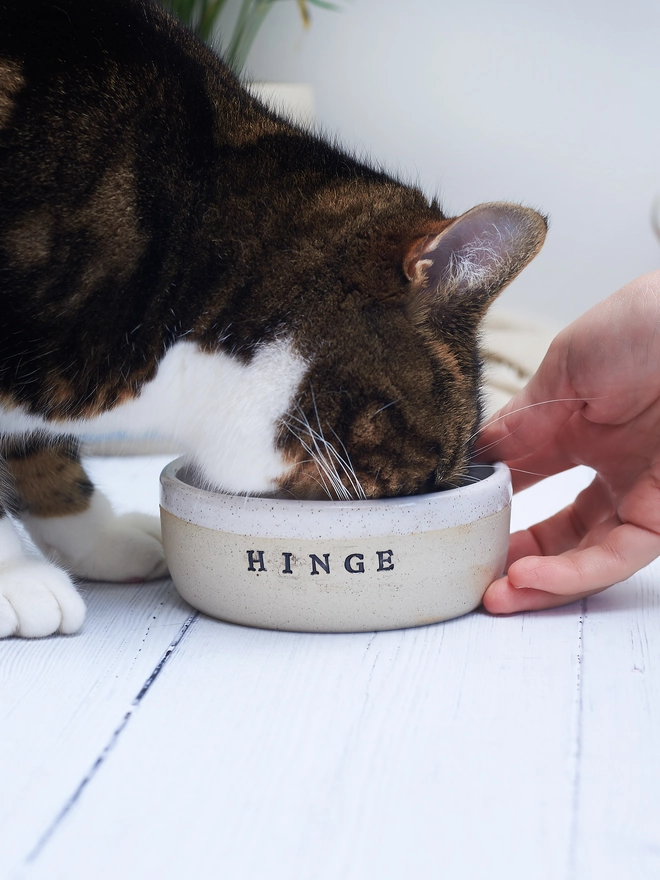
x=128 y=548
x=101 y=546
x=37 y=599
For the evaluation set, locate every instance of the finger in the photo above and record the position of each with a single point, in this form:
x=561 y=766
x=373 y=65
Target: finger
x=534 y=416
x=502 y=598
x=599 y=533
x=576 y=444
x=545 y=462
x=521 y=544
x=625 y=550
x=566 y=529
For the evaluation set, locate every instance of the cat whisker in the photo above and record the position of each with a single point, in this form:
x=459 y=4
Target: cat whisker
x=375 y=482
x=340 y=489
x=481 y=449
x=332 y=458
x=529 y=406
x=344 y=463
x=532 y=473
x=348 y=467
x=516 y=469
x=318 y=483
x=323 y=473
x=320 y=435
x=333 y=452
x=387 y=406
x=314 y=458
x=466 y=480
x=324 y=467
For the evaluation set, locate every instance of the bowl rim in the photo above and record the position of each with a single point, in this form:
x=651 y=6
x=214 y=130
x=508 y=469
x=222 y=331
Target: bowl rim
x=284 y=517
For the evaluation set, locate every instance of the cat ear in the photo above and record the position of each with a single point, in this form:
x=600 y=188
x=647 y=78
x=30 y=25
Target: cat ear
x=470 y=261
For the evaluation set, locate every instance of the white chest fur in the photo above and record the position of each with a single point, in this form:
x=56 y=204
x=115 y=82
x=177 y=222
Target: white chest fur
x=212 y=406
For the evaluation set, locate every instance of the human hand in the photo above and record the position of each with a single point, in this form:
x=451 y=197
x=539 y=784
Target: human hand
x=595 y=400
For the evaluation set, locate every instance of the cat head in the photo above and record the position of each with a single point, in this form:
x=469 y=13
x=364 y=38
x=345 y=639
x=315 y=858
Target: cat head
x=391 y=402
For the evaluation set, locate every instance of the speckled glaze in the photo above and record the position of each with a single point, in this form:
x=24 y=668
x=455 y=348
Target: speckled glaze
x=335 y=566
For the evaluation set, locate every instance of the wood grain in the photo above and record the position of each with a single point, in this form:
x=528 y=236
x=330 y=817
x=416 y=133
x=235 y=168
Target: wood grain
x=159 y=745
x=289 y=755
x=617 y=832
x=63 y=698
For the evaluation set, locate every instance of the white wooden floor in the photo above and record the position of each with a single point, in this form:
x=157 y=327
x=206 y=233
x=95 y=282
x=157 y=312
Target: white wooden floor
x=158 y=743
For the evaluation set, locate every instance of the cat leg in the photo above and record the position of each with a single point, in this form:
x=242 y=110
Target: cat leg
x=36 y=598
x=73 y=523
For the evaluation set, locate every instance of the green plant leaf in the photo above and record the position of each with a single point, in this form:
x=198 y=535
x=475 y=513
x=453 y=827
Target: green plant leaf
x=250 y=19
x=324 y=4
x=210 y=12
x=202 y=17
x=304 y=12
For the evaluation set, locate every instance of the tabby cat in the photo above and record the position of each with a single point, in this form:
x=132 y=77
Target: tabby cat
x=176 y=258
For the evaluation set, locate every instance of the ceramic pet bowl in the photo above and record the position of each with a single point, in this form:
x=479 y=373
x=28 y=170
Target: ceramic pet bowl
x=335 y=566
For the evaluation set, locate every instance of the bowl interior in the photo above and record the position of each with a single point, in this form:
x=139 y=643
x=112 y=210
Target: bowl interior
x=488 y=492
x=187 y=473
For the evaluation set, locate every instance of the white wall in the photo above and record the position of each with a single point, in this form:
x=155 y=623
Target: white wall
x=554 y=105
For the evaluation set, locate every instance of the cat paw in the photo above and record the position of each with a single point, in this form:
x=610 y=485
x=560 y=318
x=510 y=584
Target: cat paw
x=128 y=548
x=37 y=599
x=99 y=546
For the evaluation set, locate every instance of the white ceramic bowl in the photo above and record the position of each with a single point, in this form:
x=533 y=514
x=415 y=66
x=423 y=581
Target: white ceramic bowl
x=335 y=566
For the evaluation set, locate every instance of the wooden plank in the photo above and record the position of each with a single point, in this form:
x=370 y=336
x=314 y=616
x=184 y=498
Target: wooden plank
x=448 y=748
x=518 y=747
x=617 y=832
x=63 y=698
x=616 y=813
